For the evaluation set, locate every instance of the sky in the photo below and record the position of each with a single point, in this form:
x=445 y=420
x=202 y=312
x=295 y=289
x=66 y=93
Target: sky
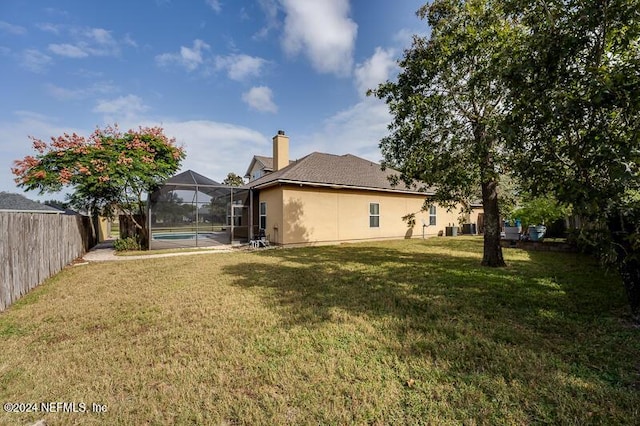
x=220 y=76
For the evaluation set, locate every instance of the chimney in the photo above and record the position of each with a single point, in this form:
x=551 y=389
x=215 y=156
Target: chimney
x=280 y=151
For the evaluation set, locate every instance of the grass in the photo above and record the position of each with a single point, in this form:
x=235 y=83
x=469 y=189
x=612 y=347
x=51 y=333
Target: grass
x=400 y=332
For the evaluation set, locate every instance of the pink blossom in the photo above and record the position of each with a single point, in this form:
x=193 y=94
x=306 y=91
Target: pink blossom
x=65 y=176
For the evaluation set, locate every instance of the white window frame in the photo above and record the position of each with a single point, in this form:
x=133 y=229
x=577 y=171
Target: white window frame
x=263 y=215
x=432 y=215
x=373 y=215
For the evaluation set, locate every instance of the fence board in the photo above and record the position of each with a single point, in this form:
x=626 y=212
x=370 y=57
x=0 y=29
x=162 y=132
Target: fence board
x=35 y=246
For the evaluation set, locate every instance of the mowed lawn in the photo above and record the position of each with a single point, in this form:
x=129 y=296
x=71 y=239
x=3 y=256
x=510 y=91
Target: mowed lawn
x=400 y=332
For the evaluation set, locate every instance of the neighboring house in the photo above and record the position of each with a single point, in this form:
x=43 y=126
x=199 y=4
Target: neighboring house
x=325 y=198
x=18 y=203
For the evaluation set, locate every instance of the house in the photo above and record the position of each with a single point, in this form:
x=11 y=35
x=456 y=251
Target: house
x=259 y=166
x=10 y=202
x=324 y=198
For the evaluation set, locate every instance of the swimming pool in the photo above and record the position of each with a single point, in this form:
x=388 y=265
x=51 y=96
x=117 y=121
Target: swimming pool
x=181 y=236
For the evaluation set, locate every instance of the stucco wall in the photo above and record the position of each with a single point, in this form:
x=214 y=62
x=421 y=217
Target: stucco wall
x=273 y=198
x=323 y=215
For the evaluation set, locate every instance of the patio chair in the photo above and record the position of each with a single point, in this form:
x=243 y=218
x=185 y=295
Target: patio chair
x=261 y=240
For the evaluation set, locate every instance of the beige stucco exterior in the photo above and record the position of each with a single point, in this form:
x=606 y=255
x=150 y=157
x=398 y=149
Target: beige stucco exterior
x=322 y=215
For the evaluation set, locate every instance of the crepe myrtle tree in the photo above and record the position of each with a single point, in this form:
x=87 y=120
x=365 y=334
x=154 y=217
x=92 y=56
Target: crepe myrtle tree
x=447 y=107
x=108 y=172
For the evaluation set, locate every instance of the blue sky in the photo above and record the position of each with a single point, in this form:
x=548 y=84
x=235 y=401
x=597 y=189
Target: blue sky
x=220 y=76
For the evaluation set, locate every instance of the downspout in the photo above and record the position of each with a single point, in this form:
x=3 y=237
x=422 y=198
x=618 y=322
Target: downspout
x=250 y=214
x=148 y=221
x=231 y=216
x=197 y=215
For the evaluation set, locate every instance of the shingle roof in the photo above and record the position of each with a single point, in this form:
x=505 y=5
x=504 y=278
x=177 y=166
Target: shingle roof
x=17 y=202
x=267 y=162
x=334 y=170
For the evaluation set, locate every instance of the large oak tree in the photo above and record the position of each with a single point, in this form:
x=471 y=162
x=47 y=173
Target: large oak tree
x=447 y=106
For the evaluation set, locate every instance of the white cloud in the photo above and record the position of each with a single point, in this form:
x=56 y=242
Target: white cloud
x=34 y=60
x=12 y=29
x=129 y=41
x=356 y=130
x=99 y=42
x=375 y=70
x=100 y=36
x=48 y=27
x=323 y=31
x=240 y=66
x=215 y=149
x=62 y=93
x=270 y=10
x=215 y=5
x=68 y=50
x=189 y=58
x=124 y=108
x=89 y=42
x=56 y=12
x=15 y=145
x=261 y=99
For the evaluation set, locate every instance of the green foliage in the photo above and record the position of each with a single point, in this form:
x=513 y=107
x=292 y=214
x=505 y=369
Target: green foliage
x=126 y=244
x=574 y=78
x=410 y=219
x=233 y=180
x=575 y=94
x=540 y=211
x=447 y=107
x=108 y=172
x=444 y=103
x=509 y=194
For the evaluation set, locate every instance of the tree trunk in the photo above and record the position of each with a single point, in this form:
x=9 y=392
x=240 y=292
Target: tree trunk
x=492 y=249
x=630 y=273
x=628 y=261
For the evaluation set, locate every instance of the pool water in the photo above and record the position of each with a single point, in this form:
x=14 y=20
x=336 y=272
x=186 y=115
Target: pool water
x=182 y=236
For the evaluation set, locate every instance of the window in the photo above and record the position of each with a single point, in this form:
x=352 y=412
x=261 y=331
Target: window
x=374 y=215
x=257 y=174
x=432 y=215
x=263 y=215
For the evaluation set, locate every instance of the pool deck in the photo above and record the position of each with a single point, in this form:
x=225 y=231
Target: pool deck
x=104 y=252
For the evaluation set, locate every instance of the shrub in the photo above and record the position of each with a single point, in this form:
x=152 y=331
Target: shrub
x=129 y=243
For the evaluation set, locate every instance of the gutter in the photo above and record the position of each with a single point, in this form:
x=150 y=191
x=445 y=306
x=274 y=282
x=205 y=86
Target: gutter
x=338 y=186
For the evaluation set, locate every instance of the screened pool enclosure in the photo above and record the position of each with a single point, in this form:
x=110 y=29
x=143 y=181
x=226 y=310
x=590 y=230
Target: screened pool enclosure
x=191 y=210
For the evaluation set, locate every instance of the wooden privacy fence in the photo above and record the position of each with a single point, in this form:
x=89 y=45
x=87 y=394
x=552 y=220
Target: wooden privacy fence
x=35 y=246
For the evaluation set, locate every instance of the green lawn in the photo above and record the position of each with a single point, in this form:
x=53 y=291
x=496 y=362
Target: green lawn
x=401 y=332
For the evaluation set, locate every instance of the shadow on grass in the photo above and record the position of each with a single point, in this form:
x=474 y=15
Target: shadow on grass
x=549 y=323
